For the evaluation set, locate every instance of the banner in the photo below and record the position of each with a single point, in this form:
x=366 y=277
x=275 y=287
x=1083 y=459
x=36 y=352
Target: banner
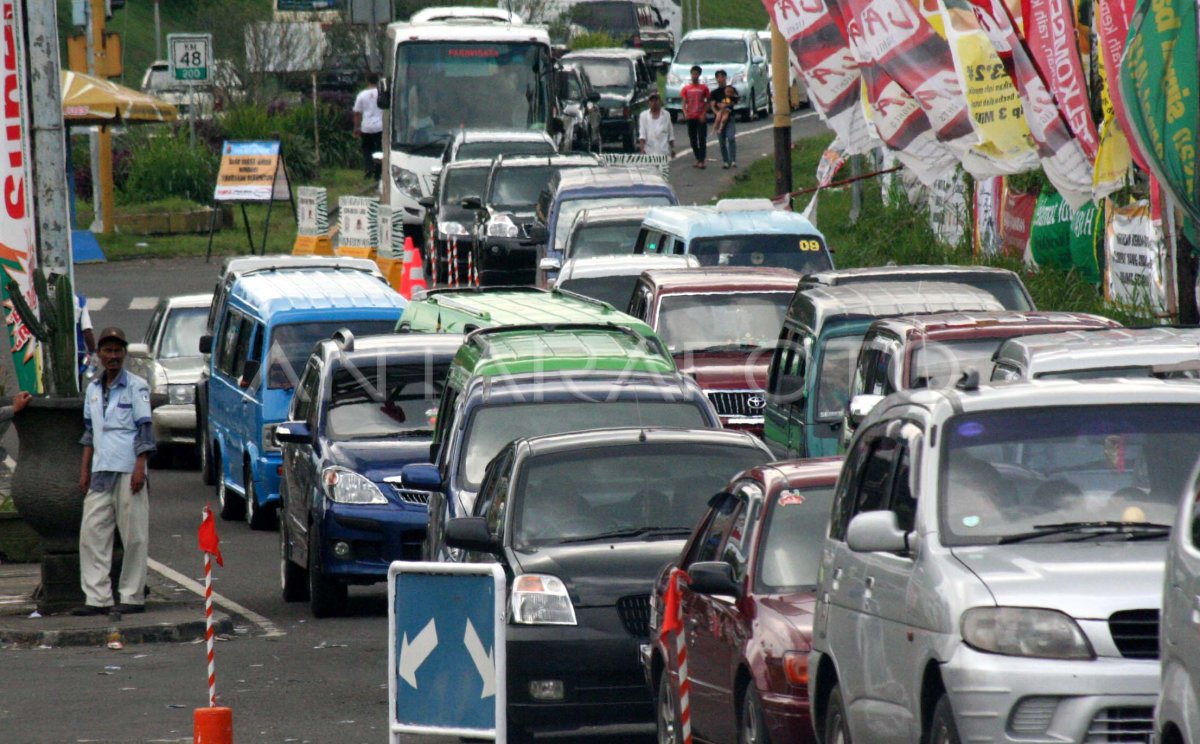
x=989 y=193
x=251 y=171
x=1050 y=236
x=1050 y=34
x=948 y=207
x=357 y=221
x=312 y=210
x=1135 y=257
x=18 y=256
x=390 y=232
x=1114 y=158
x=1016 y=221
x=1159 y=85
x=830 y=163
x=830 y=73
x=1087 y=242
x=1112 y=29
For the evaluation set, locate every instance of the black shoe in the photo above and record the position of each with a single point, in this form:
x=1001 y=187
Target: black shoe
x=88 y=610
x=130 y=609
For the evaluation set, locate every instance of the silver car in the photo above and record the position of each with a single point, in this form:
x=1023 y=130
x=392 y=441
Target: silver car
x=1178 y=711
x=994 y=563
x=169 y=359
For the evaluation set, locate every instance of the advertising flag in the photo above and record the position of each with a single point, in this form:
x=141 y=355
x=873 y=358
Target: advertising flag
x=1112 y=29
x=1050 y=34
x=1135 y=258
x=989 y=193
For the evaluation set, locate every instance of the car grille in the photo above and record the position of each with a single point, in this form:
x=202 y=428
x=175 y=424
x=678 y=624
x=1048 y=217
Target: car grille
x=739 y=403
x=410 y=496
x=635 y=614
x=1129 y=724
x=1135 y=632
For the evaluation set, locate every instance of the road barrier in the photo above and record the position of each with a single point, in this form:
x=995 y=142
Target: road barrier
x=661 y=162
x=214 y=724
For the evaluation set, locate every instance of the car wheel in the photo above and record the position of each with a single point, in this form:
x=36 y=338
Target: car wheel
x=517 y=735
x=666 y=716
x=293 y=580
x=206 y=466
x=942 y=729
x=257 y=516
x=752 y=728
x=326 y=596
x=837 y=731
x=231 y=506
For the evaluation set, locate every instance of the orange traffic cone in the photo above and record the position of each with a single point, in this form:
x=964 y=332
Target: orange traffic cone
x=412 y=276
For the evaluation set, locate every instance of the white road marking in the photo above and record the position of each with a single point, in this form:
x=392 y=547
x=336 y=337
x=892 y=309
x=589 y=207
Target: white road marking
x=143 y=303
x=270 y=630
x=96 y=303
x=740 y=133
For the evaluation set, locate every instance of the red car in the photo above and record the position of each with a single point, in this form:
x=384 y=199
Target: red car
x=747 y=609
x=721 y=325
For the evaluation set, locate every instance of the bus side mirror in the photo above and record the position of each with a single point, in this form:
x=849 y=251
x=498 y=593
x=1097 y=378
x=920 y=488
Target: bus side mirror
x=384 y=99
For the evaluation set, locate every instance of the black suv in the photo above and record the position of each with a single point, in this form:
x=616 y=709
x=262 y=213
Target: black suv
x=504 y=248
x=578 y=110
x=447 y=221
x=624 y=82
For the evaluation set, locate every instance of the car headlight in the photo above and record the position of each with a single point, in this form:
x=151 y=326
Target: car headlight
x=348 y=487
x=451 y=229
x=502 y=226
x=181 y=395
x=673 y=79
x=539 y=599
x=1025 y=631
x=406 y=181
x=739 y=77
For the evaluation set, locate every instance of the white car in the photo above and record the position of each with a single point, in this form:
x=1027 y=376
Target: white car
x=1177 y=715
x=225 y=88
x=797 y=93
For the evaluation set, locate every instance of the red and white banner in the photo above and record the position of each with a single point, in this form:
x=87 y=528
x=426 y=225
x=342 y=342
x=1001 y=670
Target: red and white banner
x=904 y=128
x=1016 y=222
x=1112 y=28
x=1050 y=33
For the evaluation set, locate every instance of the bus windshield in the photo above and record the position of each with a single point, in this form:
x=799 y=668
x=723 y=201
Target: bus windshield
x=442 y=86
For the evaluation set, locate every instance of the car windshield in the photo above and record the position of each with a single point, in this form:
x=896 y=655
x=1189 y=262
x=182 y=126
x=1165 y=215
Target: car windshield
x=492 y=150
x=378 y=399
x=492 y=427
x=803 y=253
x=291 y=345
x=568 y=209
x=790 y=555
x=1037 y=473
x=519 y=187
x=939 y=364
x=721 y=321
x=614 y=18
x=459 y=183
x=181 y=337
x=632 y=490
x=604 y=239
x=838 y=357
x=609 y=73
x=765 y=41
x=709 y=51
x=615 y=290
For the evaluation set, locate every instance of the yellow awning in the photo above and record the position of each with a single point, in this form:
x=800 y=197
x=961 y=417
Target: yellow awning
x=91 y=100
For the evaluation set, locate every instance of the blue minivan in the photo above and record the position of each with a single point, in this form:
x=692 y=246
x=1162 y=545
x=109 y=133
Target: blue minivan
x=262 y=338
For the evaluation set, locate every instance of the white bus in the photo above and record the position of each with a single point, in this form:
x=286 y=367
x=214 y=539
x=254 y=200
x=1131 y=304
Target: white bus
x=448 y=76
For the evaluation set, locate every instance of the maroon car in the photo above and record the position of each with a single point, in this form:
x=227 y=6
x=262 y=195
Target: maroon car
x=747 y=609
x=721 y=325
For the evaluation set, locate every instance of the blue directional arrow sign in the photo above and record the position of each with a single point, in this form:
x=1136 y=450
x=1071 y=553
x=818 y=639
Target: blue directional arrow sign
x=446 y=649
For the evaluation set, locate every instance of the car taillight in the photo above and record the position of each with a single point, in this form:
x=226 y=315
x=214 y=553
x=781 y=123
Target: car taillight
x=637 y=41
x=795 y=667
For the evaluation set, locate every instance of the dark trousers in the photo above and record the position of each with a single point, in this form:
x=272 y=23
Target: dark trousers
x=372 y=142
x=698 y=136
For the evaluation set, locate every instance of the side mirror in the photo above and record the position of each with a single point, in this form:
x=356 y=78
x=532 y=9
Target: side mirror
x=538 y=233
x=206 y=344
x=876 y=532
x=422 y=476
x=471 y=533
x=473 y=203
x=714 y=578
x=860 y=406
x=571 y=109
x=593 y=96
x=549 y=264
x=141 y=351
x=249 y=372
x=384 y=98
x=427 y=202
x=293 y=432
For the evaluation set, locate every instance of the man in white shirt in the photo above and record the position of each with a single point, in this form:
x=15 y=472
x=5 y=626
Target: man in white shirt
x=656 y=136
x=368 y=125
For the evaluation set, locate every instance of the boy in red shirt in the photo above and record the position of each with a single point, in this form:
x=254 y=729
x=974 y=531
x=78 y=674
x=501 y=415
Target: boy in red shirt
x=695 y=110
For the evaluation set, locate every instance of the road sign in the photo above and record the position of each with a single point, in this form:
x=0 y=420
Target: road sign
x=446 y=660
x=191 y=58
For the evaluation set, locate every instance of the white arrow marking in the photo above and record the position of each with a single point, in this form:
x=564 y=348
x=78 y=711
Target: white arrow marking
x=412 y=655
x=485 y=662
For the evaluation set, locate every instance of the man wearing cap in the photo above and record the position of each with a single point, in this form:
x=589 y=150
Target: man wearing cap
x=118 y=438
x=656 y=136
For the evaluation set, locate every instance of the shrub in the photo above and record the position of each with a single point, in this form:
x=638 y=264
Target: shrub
x=167 y=165
x=592 y=40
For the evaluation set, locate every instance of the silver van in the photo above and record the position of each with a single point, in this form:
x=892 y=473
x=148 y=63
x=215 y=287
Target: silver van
x=1177 y=715
x=1158 y=351
x=994 y=563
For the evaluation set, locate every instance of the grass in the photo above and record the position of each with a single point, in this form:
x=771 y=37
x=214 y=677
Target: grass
x=231 y=240
x=732 y=14
x=900 y=233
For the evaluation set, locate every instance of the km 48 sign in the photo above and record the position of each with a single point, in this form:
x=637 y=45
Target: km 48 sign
x=191 y=58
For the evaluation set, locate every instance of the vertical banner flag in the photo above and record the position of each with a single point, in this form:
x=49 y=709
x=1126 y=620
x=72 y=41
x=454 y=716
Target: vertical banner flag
x=1159 y=86
x=989 y=192
x=829 y=70
x=17 y=248
x=1087 y=244
x=1050 y=237
x=948 y=207
x=1113 y=158
x=1112 y=28
x=1135 y=257
x=1016 y=220
x=1050 y=33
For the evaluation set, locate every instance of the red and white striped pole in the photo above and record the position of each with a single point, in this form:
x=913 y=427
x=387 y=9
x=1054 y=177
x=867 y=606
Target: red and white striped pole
x=452 y=269
x=673 y=622
x=208 y=631
x=213 y=724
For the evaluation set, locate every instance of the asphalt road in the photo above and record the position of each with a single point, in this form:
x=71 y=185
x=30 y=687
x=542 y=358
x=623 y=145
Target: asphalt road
x=287 y=676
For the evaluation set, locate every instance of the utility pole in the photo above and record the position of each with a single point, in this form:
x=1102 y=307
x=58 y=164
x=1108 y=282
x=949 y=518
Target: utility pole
x=782 y=90
x=157 y=33
x=102 y=181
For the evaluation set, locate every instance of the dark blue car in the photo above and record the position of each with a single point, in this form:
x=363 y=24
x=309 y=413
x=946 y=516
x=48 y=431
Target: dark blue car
x=364 y=408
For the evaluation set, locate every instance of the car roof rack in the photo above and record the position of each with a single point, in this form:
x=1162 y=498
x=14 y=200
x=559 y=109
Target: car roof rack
x=481 y=333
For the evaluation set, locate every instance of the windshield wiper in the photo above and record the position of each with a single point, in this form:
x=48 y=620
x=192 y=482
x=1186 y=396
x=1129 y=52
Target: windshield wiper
x=629 y=532
x=1137 y=530
x=438 y=142
x=725 y=347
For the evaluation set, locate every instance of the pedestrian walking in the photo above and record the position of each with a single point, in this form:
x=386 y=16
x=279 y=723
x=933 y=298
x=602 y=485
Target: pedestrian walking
x=695 y=110
x=118 y=438
x=368 y=125
x=656 y=136
x=723 y=100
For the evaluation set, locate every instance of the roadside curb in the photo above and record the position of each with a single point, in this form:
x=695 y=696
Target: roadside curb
x=22 y=633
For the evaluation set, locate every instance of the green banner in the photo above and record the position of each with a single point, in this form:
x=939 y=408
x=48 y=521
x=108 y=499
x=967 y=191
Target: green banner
x=1160 y=85
x=1050 y=238
x=1087 y=242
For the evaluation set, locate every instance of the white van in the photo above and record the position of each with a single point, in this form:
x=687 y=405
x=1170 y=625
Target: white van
x=1177 y=715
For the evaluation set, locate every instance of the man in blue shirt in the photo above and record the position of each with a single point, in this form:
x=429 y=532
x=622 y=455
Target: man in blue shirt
x=118 y=438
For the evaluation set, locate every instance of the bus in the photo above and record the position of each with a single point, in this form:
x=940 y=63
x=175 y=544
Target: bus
x=446 y=76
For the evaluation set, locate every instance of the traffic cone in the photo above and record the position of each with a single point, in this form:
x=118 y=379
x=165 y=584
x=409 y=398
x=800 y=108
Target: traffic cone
x=412 y=276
